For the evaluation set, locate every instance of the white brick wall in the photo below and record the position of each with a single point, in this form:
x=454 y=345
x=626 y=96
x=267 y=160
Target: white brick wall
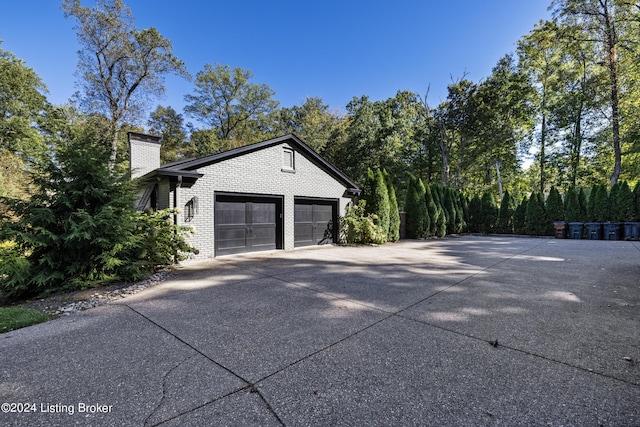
x=144 y=157
x=258 y=172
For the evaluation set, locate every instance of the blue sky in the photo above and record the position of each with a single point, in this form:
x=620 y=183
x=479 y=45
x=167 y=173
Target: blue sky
x=331 y=49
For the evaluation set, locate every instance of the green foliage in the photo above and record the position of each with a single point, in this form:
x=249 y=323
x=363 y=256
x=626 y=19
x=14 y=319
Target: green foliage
x=432 y=211
x=572 y=211
x=582 y=200
x=361 y=227
x=554 y=205
x=601 y=204
x=520 y=217
x=489 y=213
x=613 y=212
x=168 y=124
x=79 y=229
x=418 y=221
x=19 y=317
x=536 y=221
x=377 y=197
x=625 y=204
x=394 y=214
x=475 y=214
x=636 y=200
x=591 y=204
x=505 y=215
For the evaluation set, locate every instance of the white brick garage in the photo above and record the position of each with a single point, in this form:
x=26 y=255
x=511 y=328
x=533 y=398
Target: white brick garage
x=284 y=170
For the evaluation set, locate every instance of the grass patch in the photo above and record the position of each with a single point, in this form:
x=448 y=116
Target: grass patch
x=18 y=317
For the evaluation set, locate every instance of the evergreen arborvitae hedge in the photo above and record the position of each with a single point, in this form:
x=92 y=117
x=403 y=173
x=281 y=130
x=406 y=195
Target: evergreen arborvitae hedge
x=582 y=200
x=591 y=204
x=378 y=198
x=520 y=217
x=416 y=209
x=636 y=200
x=505 y=215
x=625 y=204
x=536 y=221
x=613 y=211
x=394 y=214
x=554 y=206
x=441 y=219
x=489 y=213
x=432 y=211
x=572 y=211
x=601 y=208
x=475 y=214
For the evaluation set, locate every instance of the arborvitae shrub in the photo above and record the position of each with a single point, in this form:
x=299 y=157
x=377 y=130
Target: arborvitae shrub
x=613 y=212
x=519 y=217
x=489 y=213
x=432 y=211
x=636 y=200
x=441 y=223
x=626 y=208
x=554 y=206
x=505 y=215
x=582 y=200
x=601 y=204
x=475 y=214
x=394 y=215
x=591 y=204
x=572 y=211
x=378 y=198
x=416 y=209
x=536 y=220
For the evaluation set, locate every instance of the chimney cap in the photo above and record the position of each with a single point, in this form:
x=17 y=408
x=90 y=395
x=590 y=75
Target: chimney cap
x=144 y=137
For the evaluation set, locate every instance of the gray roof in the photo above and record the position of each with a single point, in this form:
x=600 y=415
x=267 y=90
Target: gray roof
x=186 y=168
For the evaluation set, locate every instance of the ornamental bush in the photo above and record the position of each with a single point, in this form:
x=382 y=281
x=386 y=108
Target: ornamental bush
x=554 y=206
x=505 y=215
x=418 y=221
x=520 y=217
x=536 y=221
x=394 y=215
x=377 y=197
x=360 y=227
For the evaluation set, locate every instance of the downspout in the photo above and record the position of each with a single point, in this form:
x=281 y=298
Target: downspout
x=175 y=213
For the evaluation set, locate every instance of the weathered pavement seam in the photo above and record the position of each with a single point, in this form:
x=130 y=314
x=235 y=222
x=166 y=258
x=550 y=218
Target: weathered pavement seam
x=249 y=385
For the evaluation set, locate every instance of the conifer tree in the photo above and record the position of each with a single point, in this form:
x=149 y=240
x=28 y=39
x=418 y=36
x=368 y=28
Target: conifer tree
x=489 y=213
x=582 y=201
x=378 y=198
x=636 y=200
x=416 y=209
x=451 y=210
x=625 y=205
x=520 y=217
x=536 y=222
x=613 y=213
x=554 y=206
x=572 y=206
x=505 y=215
x=475 y=214
x=591 y=204
x=601 y=209
x=394 y=214
x=432 y=211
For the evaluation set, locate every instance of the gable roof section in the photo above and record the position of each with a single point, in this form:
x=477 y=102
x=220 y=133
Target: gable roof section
x=186 y=168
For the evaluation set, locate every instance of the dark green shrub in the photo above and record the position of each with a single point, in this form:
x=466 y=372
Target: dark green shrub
x=582 y=200
x=591 y=204
x=601 y=210
x=520 y=217
x=554 y=206
x=572 y=212
x=636 y=200
x=432 y=211
x=418 y=221
x=377 y=198
x=613 y=211
x=505 y=215
x=475 y=214
x=489 y=213
x=536 y=221
x=625 y=205
x=394 y=215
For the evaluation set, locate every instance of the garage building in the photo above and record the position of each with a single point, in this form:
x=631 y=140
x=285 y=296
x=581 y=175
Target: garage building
x=275 y=194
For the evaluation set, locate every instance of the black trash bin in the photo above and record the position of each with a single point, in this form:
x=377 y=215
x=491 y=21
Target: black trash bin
x=594 y=230
x=560 y=229
x=576 y=230
x=632 y=231
x=612 y=231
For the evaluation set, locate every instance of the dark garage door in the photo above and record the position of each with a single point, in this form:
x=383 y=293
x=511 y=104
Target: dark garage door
x=315 y=222
x=247 y=224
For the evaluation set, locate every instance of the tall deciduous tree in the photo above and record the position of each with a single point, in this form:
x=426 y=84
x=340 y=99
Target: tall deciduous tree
x=167 y=123
x=120 y=66
x=226 y=100
x=611 y=26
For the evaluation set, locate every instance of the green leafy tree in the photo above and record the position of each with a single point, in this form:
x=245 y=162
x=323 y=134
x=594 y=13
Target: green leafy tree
x=394 y=214
x=601 y=204
x=23 y=111
x=120 y=66
x=377 y=198
x=313 y=122
x=505 y=215
x=168 y=124
x=227 y=101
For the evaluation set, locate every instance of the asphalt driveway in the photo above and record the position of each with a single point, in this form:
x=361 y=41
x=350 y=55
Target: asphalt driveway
x=458 y=331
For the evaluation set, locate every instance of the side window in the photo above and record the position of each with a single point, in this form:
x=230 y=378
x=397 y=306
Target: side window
x=288 y=160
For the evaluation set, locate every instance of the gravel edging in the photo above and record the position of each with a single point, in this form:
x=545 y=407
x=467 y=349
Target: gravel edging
x=67 y=304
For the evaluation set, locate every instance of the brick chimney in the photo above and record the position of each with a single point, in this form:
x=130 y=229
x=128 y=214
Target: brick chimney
x=144 y=153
